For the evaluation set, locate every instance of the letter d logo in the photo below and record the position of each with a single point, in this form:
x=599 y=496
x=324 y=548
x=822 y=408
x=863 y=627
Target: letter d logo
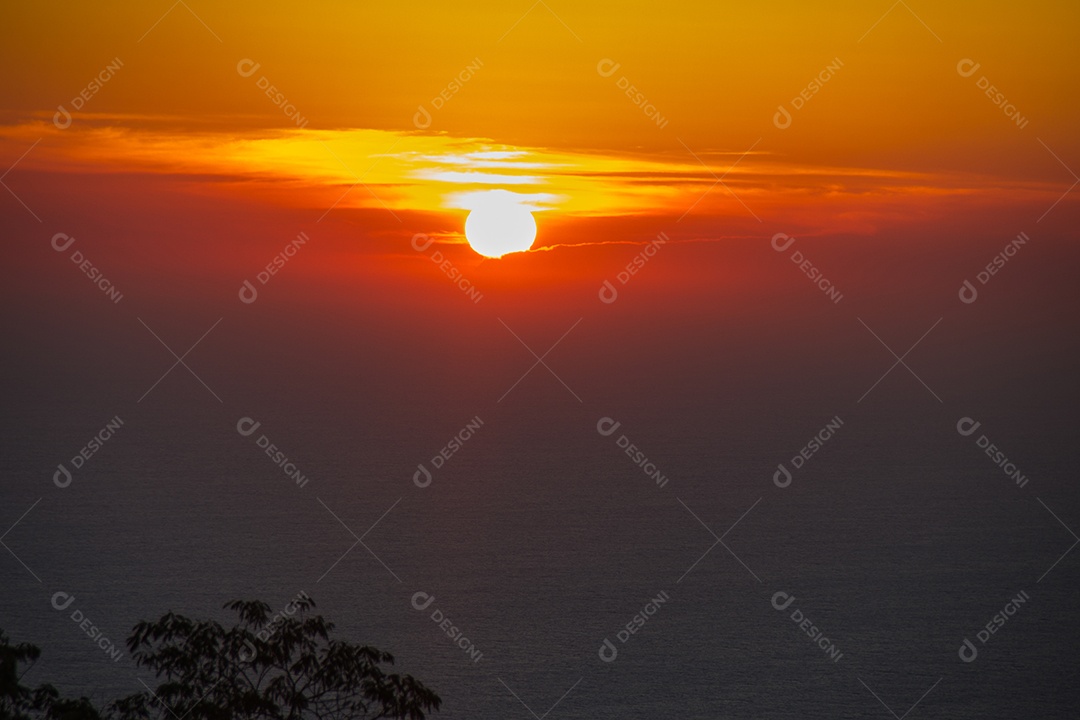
x=246 y=426
x=420 y=603
x=422 y=472
x=62 y=118
x=783 y=605
x=608 y=652
x=967 y=650
x=61 y=237
x=968 y=293
x=782 y=118
x=422 y=118
x=62 y=472
x=608 y=293
x=782 y=236
x=247 y=67
x=606 y=68
x=61 y=600
x=421 y=238
x=248 y=293
x=247 y=653
x=966 y=426
x=607 y=426
x=782 y=472
x=972 y=65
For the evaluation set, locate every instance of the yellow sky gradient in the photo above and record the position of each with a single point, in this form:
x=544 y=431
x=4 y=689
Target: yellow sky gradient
x=716 y=72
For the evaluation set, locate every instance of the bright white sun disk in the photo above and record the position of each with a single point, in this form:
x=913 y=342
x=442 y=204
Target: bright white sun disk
x=500 y=226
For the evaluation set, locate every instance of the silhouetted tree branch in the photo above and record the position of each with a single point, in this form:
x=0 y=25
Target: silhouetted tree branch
x=285 y=668
x=18 y=702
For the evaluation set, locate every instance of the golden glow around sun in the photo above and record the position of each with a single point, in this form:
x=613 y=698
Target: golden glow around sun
x=498 y=224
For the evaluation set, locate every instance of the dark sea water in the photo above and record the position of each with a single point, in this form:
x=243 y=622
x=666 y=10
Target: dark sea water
x=540 y=538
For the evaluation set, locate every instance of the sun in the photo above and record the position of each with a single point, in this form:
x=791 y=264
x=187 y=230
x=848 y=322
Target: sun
x=499 y=226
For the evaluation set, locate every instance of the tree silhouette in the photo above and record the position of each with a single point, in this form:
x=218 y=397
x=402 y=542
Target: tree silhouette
x=285 y=669
x=18 y=702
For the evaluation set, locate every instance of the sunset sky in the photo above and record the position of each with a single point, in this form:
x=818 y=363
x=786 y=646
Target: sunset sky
x=663 y=151
x=745 y=214
x=893 y=123
x=162 y=136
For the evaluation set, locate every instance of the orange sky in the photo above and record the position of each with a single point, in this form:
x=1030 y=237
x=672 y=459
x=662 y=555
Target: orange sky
x=430 y=107
x=717 y=72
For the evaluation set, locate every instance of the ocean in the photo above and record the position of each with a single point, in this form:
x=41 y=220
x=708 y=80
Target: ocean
x=540 y=538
